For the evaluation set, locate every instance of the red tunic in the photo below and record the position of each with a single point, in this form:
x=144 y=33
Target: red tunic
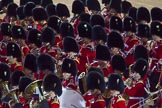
x=76 y=23
x=54 y=103
x=51 y=51
x=58 y=41
x=88 y=97
x=98 y=102
x=16 y=66
x=0 y=104
x=3 y=51
x=87 y=56
x=118 y=101
x=130 y=43
x=136 y=94
x=25 y=50
x=71 y=83
x=106 y=71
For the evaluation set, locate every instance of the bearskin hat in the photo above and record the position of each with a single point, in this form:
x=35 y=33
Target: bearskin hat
x=102 y=53
x=44 y=3
x=115 y=82
x=39 y=14
x=96 y=69
x=143 y=14
x=116 y=23
x=156 y=14
x=30 y=59
x=116 y=5
x=34 y=36
x=156 y=28
x=66 y=29
x=141 y=52
x=93 y=5
x=54 y=22
x=97 y=20
x=5 y=29
x=132 y=13
x=62 y=10
x=51 y=82
x=85 y=30
x=24 y=82
x=48 y=35
x=85 y=17
x=95 y=80
x=129 y=25
x=106 y=1
x=18 y=32
x=15 y=77
x=4 y=3
x=11 y=9
x=13 y=49
x=69 y=66
x=20 y=13
x=50 y=9
x=125 y=5
x=115 y=40
x=24 y=2
x=4 y=72
x=143 y=30
x=118 y=63
x=99 y=33
x=70 y=45
x=77 y=7
x=45 y=61
x=28 y=9
x=141 y=67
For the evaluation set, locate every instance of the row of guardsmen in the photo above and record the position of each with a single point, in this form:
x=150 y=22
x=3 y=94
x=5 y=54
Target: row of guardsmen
x=108 y=57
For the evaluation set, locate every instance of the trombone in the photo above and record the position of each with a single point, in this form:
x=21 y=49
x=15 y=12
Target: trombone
x=147 y=100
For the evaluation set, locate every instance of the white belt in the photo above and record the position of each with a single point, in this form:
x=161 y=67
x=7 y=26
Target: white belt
x=136 y=98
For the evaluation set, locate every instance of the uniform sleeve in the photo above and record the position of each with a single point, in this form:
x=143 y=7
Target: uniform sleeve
x=122 y=104
x=99 y=104
x=135 y=90
x=54 y=103
x=26 y=51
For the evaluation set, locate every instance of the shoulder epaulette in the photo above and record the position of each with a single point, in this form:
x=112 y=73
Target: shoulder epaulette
x=140 y=82
x=100 y=98
x=120 y=98
x=55 y=101
x=77 y=60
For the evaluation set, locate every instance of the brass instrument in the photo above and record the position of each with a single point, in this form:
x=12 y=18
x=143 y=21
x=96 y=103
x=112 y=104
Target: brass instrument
x=4 y=84
x=159 y=62
x=149 y=100
x=13 y=93
x=34 y=92
x=31 y=88
x=9 y=93
x=150 y=44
